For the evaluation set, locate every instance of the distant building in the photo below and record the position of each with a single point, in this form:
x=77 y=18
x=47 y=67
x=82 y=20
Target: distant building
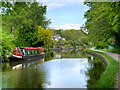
x=63 y=39
x=57 y=38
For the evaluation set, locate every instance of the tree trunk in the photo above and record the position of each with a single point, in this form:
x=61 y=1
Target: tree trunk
x=117 y=41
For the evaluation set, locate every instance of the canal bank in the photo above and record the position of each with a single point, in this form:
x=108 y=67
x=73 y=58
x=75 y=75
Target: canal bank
x=107 y=80
x=64 y=69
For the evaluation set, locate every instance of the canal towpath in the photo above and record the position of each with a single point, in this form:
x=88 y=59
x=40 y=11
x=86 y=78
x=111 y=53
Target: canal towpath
x=117 y=58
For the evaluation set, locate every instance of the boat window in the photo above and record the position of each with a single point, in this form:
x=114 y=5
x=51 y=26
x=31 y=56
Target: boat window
x=32 y=51
x=36 y=51
x=24 y=52
x=28 y=52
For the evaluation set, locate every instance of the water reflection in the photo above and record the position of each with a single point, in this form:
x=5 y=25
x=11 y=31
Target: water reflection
x=64 y=54
x=17 y=66
x=64 y=69
x=25 y=75
x=65 y=73
x=96 y=68
x=49 y=55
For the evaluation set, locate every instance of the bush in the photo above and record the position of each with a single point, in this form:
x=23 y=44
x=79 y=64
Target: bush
x=7 y=45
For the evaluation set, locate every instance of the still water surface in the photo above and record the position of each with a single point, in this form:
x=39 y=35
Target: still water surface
x=64 y=69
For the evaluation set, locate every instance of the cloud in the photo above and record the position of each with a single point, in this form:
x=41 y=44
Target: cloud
x=59 y=1
x=55 y=20
x=53 y=4
x=67 y=26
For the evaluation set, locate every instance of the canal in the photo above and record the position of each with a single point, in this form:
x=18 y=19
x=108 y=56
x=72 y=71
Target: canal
x=59 y=69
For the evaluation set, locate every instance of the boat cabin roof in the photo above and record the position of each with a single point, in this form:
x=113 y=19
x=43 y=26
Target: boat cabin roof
x=31 y=47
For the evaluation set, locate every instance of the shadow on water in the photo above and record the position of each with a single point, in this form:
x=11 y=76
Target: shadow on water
x=97 y=67
x=24 y=74
x=59 y=69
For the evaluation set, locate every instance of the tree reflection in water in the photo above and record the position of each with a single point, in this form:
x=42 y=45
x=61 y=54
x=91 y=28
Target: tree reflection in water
x=65 y=54
x=36 y=74
x=97 y=67
x=49 y=55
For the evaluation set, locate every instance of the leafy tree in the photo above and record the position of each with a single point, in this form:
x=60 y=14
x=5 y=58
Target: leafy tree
x=45 y=36
x=103 y=21
x=7 y=44
x=75 y=36
x=26 y=36
x=58 y=32
x=14 y=15
x=20 y=18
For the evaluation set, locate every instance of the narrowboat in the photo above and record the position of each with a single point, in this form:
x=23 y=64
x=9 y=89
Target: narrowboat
x=27 y=52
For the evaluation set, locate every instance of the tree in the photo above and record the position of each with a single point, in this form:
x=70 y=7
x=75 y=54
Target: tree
x=45 y=36
x=20 y=18
x=26 y=36
x=7 y=45
x=58 y=32
x=101 y=23
x=14 y=15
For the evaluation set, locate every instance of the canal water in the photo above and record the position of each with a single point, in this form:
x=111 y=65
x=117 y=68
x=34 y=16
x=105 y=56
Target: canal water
x=59 y=69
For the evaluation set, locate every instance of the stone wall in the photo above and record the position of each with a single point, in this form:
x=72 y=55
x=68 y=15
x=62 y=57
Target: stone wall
x=101 y=57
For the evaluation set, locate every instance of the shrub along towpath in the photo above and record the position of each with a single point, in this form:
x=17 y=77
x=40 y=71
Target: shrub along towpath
x=117 y=58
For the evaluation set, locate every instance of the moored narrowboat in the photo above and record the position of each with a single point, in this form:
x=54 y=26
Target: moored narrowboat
x=27 y=52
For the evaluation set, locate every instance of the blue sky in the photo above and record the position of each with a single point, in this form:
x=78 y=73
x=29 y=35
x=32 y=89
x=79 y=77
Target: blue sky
x=66 y=15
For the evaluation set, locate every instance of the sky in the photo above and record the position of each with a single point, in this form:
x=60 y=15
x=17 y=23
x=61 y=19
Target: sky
x=65 y=14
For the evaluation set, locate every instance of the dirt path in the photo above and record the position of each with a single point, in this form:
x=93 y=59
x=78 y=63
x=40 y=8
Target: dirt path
x=117 y=58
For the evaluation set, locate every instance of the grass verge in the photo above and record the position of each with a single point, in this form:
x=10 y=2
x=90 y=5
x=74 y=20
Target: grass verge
x=107 y=79
x=111 y=50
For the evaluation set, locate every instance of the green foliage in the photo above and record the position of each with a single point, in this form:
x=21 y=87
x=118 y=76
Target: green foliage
x=75 y=36
x=58 y=32
x=70 y=35
x=97 y=67
x=73 y=54
x=103 y=21
x=45 y=36
x=107 y=79
x=49 y=55
x=0 y=39
x=26 y=36
x=7 y=45
x=101 y=45
x=19 y=20
x=112 y=50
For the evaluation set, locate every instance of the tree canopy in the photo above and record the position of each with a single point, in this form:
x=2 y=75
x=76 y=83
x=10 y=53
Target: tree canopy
x=103 y=22
x=19 y=20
